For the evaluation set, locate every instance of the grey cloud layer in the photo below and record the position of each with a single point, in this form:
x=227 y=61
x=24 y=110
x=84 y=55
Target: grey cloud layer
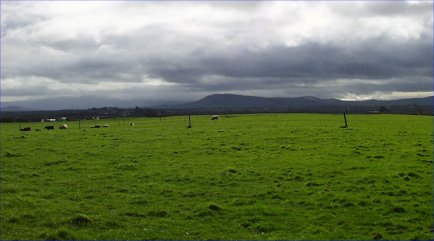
x=255 y=48
x=310 y=63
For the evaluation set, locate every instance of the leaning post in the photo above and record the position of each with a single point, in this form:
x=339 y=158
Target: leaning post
x=345 y=119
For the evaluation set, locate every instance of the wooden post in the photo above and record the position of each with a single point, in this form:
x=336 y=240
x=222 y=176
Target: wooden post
x=345 y=119
x=189 y=121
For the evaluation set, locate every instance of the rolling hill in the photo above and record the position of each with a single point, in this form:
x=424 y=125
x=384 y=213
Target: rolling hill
x=230 y=101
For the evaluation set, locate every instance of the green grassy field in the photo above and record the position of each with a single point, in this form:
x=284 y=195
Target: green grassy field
x=275 y=176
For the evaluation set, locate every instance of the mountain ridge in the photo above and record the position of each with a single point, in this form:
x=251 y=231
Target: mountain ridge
x=243 y=101
x=221 y=101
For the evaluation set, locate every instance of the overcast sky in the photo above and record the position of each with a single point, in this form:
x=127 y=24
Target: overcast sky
x=187 y=50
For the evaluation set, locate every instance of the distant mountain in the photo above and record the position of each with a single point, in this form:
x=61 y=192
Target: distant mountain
x=216 y=101
x=231 y=101
x=83 y=102
x=15 y=108
x=401 y=102
x=241 y=101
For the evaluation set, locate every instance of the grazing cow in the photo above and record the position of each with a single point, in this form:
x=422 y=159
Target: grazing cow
x=105 y=126
x=96 y=126
x=214 y=117
x=64 y=126
x=26 y=129
x=131 y=124
x=49 y=127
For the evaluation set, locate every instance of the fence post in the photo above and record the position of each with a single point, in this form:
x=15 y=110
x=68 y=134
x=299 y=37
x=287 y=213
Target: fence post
x=189 y=121
x=345 y=119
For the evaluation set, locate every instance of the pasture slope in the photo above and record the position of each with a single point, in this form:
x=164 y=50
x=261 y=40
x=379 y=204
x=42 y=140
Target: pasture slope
x=274 y=176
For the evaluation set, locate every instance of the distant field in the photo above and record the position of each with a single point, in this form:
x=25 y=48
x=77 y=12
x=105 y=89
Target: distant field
x=282 y=176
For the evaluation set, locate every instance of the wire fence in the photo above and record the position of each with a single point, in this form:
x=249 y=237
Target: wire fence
x=147 y=122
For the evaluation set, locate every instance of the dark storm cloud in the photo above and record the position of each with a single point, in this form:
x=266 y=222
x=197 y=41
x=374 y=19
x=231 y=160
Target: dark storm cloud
x=398 y=9
x=383 y=9
x=83 y=70
x=84 y=43
x=312 y=62
x=18 y=19
x=28 y=91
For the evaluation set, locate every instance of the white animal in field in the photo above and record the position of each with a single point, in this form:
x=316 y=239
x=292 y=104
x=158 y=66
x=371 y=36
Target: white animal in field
x=64 y=126
x=214 y=117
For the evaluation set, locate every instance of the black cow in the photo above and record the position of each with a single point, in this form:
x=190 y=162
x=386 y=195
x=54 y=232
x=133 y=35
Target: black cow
x=49 y=127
